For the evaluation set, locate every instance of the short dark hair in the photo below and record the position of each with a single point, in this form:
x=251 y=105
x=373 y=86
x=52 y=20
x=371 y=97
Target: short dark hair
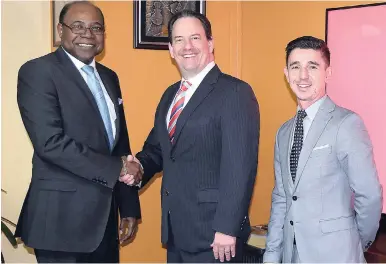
x=309 y=42
x=67 y=6
x=189 y=13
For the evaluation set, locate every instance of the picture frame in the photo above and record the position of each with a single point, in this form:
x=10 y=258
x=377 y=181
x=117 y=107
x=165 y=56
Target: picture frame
x=151 y=20
x=356 y=37
x=56 y=7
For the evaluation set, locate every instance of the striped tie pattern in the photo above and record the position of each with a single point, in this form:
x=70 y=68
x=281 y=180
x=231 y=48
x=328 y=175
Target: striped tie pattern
x=178 y=105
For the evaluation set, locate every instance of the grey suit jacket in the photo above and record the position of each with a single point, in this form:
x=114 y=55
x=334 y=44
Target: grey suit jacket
x=334 y=206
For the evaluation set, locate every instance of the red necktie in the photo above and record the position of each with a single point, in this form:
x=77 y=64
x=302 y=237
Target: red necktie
x=177 y=106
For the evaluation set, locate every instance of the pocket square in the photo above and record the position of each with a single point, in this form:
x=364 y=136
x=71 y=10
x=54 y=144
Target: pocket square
x=321 y=147
x=120 y=101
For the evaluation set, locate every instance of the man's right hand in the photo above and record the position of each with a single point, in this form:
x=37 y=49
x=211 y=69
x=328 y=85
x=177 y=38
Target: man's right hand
x=132 y=172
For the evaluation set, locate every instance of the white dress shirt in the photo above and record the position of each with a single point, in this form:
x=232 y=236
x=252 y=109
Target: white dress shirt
x=195 y=81
x=311 y=111
x=78 y=64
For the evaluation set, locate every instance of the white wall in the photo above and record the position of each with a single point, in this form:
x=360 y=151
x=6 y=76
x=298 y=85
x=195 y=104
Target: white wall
x=26 y=34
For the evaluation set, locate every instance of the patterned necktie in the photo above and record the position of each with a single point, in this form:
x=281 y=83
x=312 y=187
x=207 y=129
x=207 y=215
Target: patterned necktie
x=177 y=106
x=96 y=90
x=297 y=144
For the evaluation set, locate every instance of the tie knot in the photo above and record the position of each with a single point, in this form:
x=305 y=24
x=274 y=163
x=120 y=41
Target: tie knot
x=302 y=114
x=89 y=70
x=185 y=85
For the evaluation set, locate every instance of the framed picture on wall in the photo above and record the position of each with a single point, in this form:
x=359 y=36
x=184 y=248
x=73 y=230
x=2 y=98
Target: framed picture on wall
x=151 y=20
x=356 y=37
x=56 y=7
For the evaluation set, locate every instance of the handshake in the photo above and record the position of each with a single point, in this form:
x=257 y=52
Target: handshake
x=132 y=171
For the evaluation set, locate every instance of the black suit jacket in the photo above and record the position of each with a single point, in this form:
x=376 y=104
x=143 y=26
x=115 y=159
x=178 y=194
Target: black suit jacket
x=209 y=171
x=74 y=175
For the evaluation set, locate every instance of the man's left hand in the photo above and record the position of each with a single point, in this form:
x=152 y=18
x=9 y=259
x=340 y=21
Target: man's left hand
x=127 y=229
x=224 y=245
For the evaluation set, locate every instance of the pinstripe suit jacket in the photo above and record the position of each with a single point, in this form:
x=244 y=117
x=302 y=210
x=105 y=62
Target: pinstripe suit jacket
x=209 y=171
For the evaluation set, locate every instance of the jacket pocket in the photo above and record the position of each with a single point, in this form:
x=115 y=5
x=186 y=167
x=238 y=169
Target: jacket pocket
x=56 y=185
x=208 y=196
x=321 y=151
x=338 y=224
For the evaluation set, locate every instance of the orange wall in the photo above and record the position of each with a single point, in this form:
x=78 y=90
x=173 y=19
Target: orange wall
x=250 y=38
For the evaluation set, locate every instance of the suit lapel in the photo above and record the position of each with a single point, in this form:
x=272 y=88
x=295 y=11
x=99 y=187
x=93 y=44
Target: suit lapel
x=203 y=90
x=287 y=147
x=163 y=111
x=106 y=79
x=318 y=125
x=73 y=74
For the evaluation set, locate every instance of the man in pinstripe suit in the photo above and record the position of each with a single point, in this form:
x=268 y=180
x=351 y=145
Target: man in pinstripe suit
x=205 y=140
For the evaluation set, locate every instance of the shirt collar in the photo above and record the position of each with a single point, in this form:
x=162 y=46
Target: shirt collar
x=78 y=64
x=196 y=80
x=312 y=110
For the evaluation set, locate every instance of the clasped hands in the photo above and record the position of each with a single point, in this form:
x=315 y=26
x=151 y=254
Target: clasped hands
x=132 y=171
x=224 y=246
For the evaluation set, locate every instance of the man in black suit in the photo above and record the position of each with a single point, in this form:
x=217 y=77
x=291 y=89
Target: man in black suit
x=72 y=110
x=205 y=140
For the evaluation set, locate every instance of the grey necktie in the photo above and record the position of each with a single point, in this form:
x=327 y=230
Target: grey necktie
x=96 y=90
x=297 y=144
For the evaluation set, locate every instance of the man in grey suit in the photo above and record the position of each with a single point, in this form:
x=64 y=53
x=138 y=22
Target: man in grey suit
x=327 y=202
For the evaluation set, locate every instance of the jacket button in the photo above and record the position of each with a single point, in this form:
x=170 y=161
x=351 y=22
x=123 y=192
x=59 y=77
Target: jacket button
x=291 y=222
x=166 y=192
x=172 y=158
x=294 y=198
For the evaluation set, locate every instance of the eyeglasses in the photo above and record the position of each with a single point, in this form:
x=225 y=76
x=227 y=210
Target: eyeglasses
x=81 y=29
